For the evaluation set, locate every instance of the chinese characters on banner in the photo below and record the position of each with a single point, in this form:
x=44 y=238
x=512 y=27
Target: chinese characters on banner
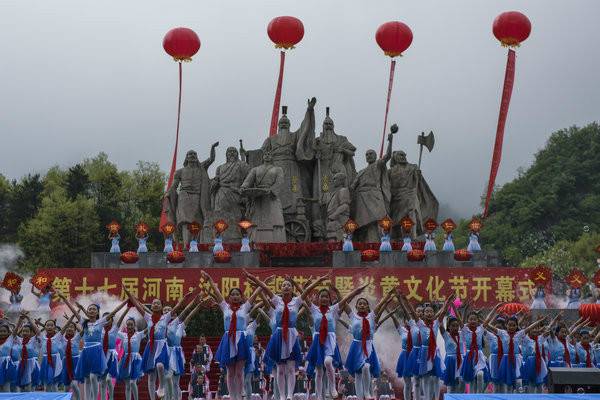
x=485 y=286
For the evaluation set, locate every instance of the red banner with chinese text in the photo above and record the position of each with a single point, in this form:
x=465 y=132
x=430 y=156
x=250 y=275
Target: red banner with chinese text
x=486 y=286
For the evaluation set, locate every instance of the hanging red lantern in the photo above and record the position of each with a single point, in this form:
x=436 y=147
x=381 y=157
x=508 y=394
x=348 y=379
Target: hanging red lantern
x=462 y=255
x=176 y=257
x=181 y=44
x=511 y=28
x=415 y=255
x=393 y=37
x=129 y=257
x=510 y=309
x=591 y=311
x=285 y=32
x=369 y=255
x=222 y=256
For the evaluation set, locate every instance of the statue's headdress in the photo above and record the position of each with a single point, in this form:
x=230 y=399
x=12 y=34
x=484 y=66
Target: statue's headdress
x=284 y=117
x=327 y=118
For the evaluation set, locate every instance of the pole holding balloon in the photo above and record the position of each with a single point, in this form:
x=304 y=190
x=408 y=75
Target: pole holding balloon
x=285 y=32
x=511 y=28
x=181 y=44
x=393 y=37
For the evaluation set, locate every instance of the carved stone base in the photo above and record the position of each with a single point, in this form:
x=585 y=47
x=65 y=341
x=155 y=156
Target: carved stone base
x=341 y=259
x=439 y=259
x=198 y=259
x=389 y=258
x=243 y=260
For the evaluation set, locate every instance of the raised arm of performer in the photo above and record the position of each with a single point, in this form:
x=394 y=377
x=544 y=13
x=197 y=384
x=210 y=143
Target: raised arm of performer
x=216 y=293
x=350 y=296
x=381 y=305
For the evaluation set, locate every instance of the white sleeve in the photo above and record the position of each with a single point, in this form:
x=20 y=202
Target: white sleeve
x=122 y=335
x=276 y=301
x=224 y=306
x=335 y=309
x=246 y=307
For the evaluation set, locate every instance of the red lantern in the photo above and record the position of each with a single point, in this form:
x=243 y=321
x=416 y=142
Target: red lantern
x=430 y=225
x=385 y=223
x=12 y=282
x=168 y=229
x=394 y=37
x=181 y=44
x=511 y=28
x=194 y=228
x=510 y=309
x=462 y=255
x=448 y=225
x=285 y=32
x=369 y=255
x=141 y=229
x=113 y=227
x=41 y=280
x=591 y=311
x=541 y=275
x=415 y=255
x=176 y=257
x=407 y=224
x=475 y=225
x=576 y=278
x=222 y=256
x=221 y=226
x=350 y=226
x=129 y=257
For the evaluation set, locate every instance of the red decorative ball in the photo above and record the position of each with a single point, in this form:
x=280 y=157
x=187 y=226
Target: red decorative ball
x=591 y=311
x=222 y=256
x=512 y=308
x=394 y=37
x=462 y=255
x=129 y=257
x=369 y=255
x=415 y=255
x=176 y=257
x=181 y=43
x=511 y=28
x=285 y=31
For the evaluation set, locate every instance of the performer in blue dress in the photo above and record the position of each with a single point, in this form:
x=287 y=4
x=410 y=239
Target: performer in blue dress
x=574 y=299
x=51 y=370
x=539 y=296
x=44 y=298
x=92 y=360
x=474 y=370
x=453 y=360
x=142 y=246
x=27 y=374
x=448 y=242
x=473 y=242
x=496 y=353
x=283 y=348
x=109 y=347
x=114 y=242
x=71 y=340
x=7 y=369
x=130 y=366
x=155 y=359
x=362 y=361
x=534 y=361
x=429 y=243
x=585 y=350
x=233 y=352
x=407 y=367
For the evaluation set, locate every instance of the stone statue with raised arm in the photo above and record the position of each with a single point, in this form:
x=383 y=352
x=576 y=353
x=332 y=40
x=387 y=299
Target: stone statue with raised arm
x=294 y=153
x=262 y=186
x=188 y=198
x=337 y=200
x=371 y=194
x=411 y=195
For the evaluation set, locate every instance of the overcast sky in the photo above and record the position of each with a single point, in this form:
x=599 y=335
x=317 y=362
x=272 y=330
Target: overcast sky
x=79 y=77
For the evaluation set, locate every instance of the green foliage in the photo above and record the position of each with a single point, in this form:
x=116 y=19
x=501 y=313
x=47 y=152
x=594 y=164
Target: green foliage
x=77 y=182
x=555 y=200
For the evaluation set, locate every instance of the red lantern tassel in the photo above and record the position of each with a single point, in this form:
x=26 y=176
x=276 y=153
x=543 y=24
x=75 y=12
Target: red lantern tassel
x=163 y=214
x=509 y=80
x=387 y=105
x=277 y=101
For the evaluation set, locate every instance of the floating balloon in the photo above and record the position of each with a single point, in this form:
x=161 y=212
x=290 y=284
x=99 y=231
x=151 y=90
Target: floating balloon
x=511 y=28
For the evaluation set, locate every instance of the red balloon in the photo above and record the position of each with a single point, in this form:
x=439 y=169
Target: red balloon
x=511 y=28
x=394 y=37
x=181 y=43
x=285 y=31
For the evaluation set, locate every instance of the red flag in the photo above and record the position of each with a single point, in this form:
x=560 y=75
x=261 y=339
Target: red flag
x=277 y=100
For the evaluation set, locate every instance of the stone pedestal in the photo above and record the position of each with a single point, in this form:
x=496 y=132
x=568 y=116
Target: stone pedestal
x=439 y=259
x=479 y=259
x=402 y=260
x=341 y=259
x=244 y=260
x=154 y=259
x=389 y=258
x=198 y=259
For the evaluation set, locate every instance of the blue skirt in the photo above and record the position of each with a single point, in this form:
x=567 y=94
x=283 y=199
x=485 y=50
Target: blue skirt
x=356 y=359
x=401 y=363
x=133 y=371
x=316 y=354
x=176 y=361
x=274 y=345
x=450 y=373
x=65 y=375
x=91 y=361
x=422 y=361
x=494 y=369
x=29 y=374
x=557 y=364
x=223 y=351
x=47 y=372
x=112 y=364
x=150 y=359
x=7 y=371
x=268 y=365
x=508 y=371
x=528 y=373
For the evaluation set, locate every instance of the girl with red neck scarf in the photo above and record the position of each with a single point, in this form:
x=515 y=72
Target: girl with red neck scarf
x=130 y=366
x=324 y=354
x=52 y=365
x=7 y=368
x=109 y=346
x=70 y=345
x=407 y=367
x=474 y=369
x=429 y=361
x=535 y=366
x=512 y=359
x=362 y=361
x=284 y=348
x=233 y=352
x=453 y=344
x=28 y=369
x=585 y=350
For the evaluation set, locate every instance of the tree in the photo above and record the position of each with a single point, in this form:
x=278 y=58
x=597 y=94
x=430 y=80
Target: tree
x=5 y=193
x=77 y=182
x=23 y=202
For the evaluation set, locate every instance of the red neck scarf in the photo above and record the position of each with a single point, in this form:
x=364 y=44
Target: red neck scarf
x=456 y=338
x=366 y=331
x=285 y=318
x=233 y=322
x=409 y=343
x=69 y=358
x=473 y=350
x=538 y=355
x=49 y=350
x=24 y=355
x=155 y=319
x=105 y=338
x=588 y=356
x=431 y=346
x=323 y=325
x=128 y=357
x=566 y=354
x=500 y=350
x=511 y=348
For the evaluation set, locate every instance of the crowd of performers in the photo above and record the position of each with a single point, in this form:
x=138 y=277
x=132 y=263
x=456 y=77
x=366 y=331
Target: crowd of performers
x=81 y=356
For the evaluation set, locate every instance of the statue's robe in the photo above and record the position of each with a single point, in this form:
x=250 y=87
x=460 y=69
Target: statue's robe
x=293 y=152
x=411 y=196
x=338 y=212
x=188 y=198
x=266 y=212
x=371 y=199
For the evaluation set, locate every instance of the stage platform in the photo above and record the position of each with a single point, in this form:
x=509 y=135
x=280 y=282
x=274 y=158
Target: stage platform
x=493 y=396
x=35 y=396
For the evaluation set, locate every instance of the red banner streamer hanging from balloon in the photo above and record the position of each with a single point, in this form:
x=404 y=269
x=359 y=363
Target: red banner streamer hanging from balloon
x=387 y=104
x=277 y=100
x=509 y=79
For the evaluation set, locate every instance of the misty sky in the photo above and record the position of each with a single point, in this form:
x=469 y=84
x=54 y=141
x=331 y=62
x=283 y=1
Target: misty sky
x=79 y=77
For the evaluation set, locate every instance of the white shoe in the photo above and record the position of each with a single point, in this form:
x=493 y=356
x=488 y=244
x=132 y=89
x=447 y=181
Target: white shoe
x=334 y=394
x=160 y=393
